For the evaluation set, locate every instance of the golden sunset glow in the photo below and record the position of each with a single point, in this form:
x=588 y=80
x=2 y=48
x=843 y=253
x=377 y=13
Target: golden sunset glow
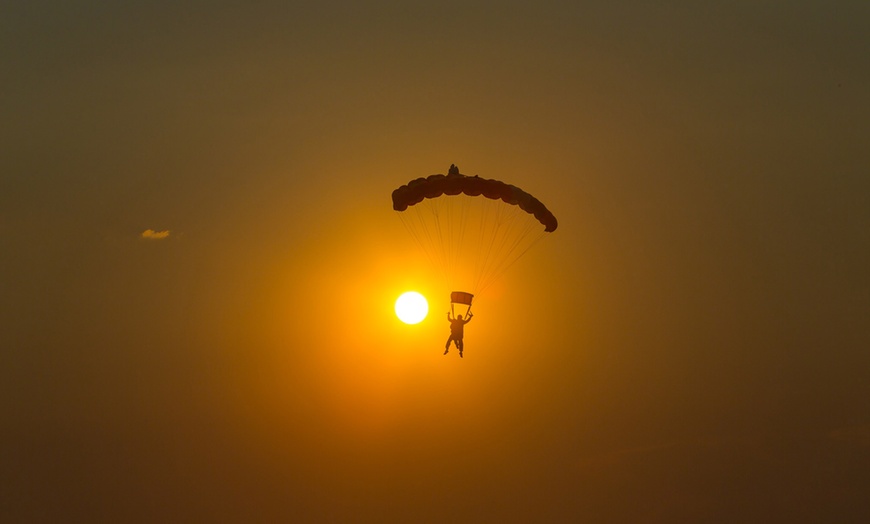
x=411 y=307
x=236 y=241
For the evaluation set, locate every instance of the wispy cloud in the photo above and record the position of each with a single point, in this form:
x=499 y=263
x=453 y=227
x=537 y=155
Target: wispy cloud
x=155 y=235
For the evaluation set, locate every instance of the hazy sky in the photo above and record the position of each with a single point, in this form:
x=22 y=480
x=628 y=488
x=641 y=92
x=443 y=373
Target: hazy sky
x=199 y=259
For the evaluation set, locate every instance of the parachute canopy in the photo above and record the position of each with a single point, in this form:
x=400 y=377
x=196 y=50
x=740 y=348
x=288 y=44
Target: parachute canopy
x=461 y=297
x=454 y=184
x=471 y=228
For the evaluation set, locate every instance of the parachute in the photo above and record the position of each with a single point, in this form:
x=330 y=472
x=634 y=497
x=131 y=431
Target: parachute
x=462 y=298
x=472 y=229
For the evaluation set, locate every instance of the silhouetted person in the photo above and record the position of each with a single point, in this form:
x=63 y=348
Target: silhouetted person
x=456 y=332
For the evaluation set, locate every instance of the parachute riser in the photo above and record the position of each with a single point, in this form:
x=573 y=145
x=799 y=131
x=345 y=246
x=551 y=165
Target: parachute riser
x=453 y=310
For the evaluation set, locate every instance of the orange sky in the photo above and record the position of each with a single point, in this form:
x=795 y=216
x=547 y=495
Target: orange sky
x=200 y=261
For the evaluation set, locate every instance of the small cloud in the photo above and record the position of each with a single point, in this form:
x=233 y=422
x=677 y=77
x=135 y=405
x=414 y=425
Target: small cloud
x=155 y=235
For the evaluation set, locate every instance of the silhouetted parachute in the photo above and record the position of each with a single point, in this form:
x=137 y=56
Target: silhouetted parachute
x=454 y=183
x=471 y=228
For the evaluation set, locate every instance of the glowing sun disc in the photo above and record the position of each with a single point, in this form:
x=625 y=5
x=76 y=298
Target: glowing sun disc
x=411 y=307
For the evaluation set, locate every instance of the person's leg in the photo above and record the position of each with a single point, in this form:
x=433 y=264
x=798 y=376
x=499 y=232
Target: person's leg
x=447 y=345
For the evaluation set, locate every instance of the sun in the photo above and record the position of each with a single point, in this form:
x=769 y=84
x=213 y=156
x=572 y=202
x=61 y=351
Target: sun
x=411 y=307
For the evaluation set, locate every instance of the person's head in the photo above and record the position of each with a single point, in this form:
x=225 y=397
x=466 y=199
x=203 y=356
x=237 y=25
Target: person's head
x=459 y=317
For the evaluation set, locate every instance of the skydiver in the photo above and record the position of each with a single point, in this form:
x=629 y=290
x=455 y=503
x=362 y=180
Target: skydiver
x=456 y=331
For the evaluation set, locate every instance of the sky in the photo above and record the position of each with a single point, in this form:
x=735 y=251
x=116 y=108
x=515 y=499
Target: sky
x=199 y=260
